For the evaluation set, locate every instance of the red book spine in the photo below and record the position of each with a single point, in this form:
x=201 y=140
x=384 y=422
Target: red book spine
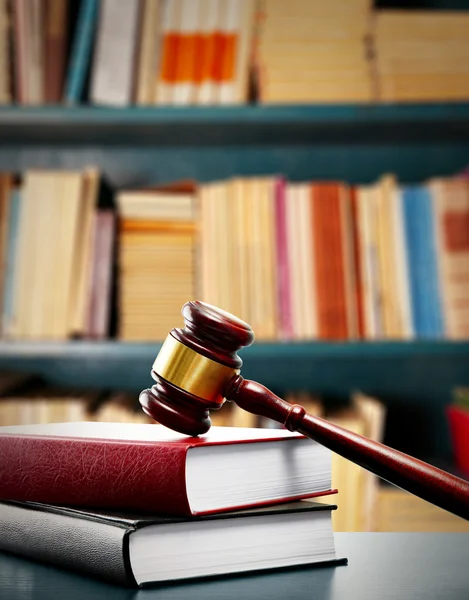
x=329 y=259
x=143 y=476
x=341 y=331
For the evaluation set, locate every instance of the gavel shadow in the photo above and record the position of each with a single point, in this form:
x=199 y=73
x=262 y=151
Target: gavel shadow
x=26 y=578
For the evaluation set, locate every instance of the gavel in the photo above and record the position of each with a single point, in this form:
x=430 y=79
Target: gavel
x=198 y=368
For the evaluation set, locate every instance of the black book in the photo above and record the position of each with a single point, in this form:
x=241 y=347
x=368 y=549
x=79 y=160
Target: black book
x=138 y=550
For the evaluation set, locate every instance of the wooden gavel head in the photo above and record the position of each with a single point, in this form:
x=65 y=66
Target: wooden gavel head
x=195 y=368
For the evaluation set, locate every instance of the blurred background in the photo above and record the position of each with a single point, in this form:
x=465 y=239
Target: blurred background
x=302 y=164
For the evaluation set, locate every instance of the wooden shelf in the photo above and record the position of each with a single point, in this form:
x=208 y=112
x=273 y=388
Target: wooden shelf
x=117 y=364
x=233 y=125
x=259 y=350
x=133 y=146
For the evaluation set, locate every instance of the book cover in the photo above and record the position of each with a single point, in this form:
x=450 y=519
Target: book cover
x=133 y=549
x=421 y=247
x=283 y=272
x=165 y=78
x=81 y=51
x=99 y=283
x=113 y=73
x=205 y=52
x=149 y=51
x=9 y=269
x=450 y=202
x=151 y=468
x=55 y=48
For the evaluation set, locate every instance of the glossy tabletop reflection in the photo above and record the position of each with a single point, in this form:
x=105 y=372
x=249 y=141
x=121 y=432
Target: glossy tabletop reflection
x=381 y=566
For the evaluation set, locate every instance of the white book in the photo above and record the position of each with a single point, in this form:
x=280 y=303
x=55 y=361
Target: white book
x=36 y=66
x=307 y=273
x=238 y=24
x=292 y=214
x=114 y=59
x=230 y=28
x=402 y=266
x=183 y=92
x=368 y=260
x=164 y=93
x=210 y=12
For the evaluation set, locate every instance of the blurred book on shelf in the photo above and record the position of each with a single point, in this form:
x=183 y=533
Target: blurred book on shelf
x=397 y=510
x=27 y=399
x=311 y=51
x=156 y=259
x=421 y=55
x=364 y=415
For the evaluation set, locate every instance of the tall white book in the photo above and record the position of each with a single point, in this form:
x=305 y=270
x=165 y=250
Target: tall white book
x=113 y=73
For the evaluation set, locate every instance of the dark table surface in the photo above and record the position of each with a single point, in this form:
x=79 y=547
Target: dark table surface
x=381 y=566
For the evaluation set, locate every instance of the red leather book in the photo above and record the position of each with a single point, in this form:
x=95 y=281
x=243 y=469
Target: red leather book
x=151 y=468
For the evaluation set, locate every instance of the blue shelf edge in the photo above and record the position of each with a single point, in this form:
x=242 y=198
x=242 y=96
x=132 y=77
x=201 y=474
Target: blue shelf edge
x=13 y=115
x=260 y=350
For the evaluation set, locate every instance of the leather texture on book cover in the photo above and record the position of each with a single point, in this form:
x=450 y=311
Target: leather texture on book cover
x=96 y=543
x=146 y=473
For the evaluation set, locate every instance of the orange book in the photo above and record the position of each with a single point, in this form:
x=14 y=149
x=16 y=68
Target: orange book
x=235 y=51
x=186 y=53
x=134 y=225
x=329 y=262
x=207 y=49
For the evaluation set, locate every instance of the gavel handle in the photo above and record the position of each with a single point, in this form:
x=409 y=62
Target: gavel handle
x=417 y=477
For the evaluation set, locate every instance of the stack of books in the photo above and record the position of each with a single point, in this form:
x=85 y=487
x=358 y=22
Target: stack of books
x=156 y=259
x=422 y=55
x=312 y=51
x=140 y=504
